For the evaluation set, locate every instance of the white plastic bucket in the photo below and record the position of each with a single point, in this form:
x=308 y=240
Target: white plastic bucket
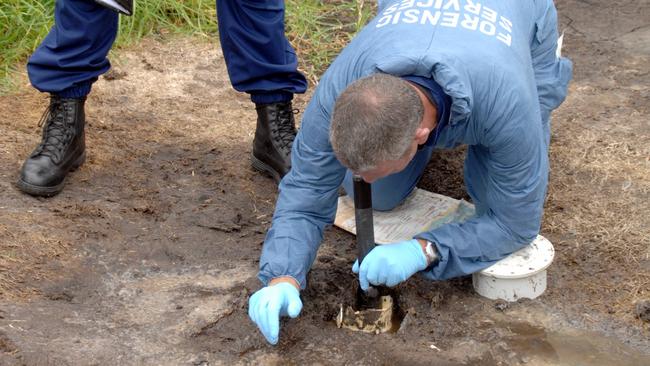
x=520 y=275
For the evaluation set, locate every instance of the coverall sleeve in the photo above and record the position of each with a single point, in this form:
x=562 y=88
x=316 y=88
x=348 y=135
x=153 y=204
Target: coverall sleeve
x=552 y=73
x=507 y=182
x=508 y=179
x=306 y=203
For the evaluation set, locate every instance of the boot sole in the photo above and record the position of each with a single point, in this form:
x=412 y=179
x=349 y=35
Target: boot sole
x=265 y=168
x=43 y=191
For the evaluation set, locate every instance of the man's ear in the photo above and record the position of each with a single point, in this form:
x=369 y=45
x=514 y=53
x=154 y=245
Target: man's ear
x=422 y=134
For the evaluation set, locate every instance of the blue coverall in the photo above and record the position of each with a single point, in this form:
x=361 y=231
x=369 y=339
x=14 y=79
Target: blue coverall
x=496 y=60
x=259 y=58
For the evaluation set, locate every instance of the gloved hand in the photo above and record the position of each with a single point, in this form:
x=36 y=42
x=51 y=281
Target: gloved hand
x=267 y=305
x=390 y=264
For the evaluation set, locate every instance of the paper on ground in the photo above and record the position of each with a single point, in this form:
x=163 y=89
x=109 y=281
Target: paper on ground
x=421 y=211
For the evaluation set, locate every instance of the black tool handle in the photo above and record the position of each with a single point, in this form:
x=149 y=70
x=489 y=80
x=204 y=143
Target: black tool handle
x=363 y=217
x=365 y=238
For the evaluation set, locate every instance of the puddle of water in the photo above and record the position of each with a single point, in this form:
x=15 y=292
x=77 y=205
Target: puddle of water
x=569 y=347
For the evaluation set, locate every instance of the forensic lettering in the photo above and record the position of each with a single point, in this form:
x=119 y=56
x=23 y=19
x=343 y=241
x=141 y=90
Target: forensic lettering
x=472 y=16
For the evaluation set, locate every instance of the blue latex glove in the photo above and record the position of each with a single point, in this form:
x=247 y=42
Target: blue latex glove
x=267 y=305
x=390 y=264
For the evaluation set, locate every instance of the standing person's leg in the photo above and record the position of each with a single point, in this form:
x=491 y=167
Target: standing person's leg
x=67 y=62
x=261 y=62
x=390 y=191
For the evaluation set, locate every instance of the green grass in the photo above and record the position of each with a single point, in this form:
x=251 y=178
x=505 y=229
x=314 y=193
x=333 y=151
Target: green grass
x=23 y=24
x=318 y=29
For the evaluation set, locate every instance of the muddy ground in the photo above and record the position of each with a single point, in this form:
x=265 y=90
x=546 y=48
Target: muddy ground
x=150 y=253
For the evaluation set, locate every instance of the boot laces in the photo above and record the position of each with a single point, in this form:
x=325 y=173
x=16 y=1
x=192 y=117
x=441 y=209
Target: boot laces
x=286 y=129
x=56 y=134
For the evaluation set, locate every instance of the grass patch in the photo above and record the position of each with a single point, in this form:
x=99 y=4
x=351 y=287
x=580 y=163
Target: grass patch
x=25 y=23
x=318 y=29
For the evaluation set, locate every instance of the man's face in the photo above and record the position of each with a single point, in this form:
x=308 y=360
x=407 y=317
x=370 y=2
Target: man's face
x=388 y=167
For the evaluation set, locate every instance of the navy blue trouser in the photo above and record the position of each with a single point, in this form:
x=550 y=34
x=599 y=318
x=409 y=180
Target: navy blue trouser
x=259 y=58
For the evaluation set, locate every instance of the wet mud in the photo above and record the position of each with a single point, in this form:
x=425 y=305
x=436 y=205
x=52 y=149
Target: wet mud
x=149 y=255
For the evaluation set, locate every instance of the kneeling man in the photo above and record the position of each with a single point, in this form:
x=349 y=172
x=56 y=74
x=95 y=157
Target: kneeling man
x=422 y=75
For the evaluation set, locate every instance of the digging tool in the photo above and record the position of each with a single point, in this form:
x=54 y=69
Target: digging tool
x=374 y=308
x=365 y=237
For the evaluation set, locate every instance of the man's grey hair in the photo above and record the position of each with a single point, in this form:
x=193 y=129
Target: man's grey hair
x=374 y=120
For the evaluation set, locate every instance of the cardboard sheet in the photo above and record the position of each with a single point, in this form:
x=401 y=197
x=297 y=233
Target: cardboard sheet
x=421 y=211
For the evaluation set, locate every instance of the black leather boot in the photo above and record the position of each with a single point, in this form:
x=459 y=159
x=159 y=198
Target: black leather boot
x=62 y=149
x=274 y=135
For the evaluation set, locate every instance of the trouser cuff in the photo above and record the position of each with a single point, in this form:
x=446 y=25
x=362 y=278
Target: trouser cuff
x=273 y=97
x=75 y=92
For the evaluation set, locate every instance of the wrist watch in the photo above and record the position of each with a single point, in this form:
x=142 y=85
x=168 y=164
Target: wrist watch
x=430 y=252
